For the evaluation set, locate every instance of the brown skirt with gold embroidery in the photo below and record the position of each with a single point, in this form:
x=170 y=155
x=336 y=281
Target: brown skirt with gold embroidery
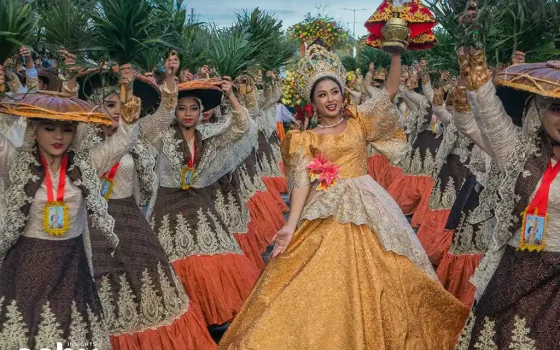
x=215 y=273
x=520 y=308
x=47 y=295
x=144 y=304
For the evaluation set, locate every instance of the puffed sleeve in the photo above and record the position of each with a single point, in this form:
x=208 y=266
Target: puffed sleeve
x=383 y=125
x=296 y=155
x=153 y=126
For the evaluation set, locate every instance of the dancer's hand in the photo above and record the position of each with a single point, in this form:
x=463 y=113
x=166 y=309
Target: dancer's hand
x=283 y=239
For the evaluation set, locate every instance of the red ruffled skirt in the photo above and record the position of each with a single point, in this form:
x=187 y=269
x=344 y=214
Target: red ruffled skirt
x=382 y=171
x=435 y=239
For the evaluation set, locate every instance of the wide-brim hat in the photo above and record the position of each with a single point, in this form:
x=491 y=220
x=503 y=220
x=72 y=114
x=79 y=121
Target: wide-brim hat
x=207 y=91
x=538 y=78
x=51 y=74
x=53 y=106
x=142 y=87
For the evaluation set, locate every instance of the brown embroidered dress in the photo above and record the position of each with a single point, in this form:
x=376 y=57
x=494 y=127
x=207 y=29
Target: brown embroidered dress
x=415 y=183
x=47 y=293
x=144 y=303
x=228 y=197
x=518 y=303
x=206 y=257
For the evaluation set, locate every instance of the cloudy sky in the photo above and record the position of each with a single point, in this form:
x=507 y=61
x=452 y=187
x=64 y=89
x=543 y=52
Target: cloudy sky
x=222 y=12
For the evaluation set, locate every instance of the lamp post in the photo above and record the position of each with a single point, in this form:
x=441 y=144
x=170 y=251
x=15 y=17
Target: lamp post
x=354 y=30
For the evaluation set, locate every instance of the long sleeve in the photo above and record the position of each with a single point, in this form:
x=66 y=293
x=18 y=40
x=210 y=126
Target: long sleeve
x=7 y=156
x=497 y=130
x=251 y=102
x=106 y=154
x=443 y=114
x=239 y=126
x=153 y=126
x=427 y=89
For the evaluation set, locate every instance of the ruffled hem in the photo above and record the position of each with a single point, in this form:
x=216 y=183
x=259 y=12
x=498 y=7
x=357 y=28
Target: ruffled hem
x=454 y=273
x=189 y=331
x=248 y=243
x=423 y=208
x=362 y=201
x=382 y=171
x=407 y=191
x=266 y=218
x=218 y=283
x=276 y=186
x=435 y=239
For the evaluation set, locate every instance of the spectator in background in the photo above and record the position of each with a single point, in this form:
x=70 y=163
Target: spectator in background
x=283 y=115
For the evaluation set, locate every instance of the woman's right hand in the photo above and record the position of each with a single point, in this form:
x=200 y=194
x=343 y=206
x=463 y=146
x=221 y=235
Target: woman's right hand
x=283 y=239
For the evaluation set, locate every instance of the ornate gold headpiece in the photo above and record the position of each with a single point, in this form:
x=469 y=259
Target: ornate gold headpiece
x=317 y=63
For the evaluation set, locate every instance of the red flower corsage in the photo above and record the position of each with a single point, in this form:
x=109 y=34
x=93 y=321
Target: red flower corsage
x=325 y=171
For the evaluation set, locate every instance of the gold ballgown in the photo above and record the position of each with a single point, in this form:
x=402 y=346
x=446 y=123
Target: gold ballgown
x=354 y=276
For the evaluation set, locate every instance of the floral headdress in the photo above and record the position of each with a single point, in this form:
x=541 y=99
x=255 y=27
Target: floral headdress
x=318 y=63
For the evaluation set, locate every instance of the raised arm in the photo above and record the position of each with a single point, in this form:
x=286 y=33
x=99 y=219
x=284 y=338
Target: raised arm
x=439 y=108
x=152 y=126
x=498 y=131
x=110 y=152
x=240 y=116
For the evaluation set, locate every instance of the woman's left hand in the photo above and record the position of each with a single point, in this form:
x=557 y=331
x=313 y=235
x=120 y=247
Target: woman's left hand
x=283 y=239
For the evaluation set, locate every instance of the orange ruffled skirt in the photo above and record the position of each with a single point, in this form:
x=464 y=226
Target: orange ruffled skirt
x=267 y=218
x=435 y=239
x=455 y=272
x=218 y=283
x=186 y=332
x=382 y=171
x=408 y=191
x=336 y=288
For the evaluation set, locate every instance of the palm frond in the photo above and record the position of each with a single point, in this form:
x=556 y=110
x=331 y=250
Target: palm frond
x=66 y=25
x=150 y=59
x=278 y=55
x=231 y=52
x=17 y=25
x=349 y=63
x=368 y=54
x=193 y=51
x=123 y=28
x=263 y=29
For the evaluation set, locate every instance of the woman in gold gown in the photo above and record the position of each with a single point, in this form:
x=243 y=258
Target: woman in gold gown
x=353 y=275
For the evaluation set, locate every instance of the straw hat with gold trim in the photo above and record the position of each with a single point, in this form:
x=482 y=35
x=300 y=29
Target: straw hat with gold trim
x=539 y=78
x=517 y=83
x=208 y=92
x=102 y=81
x=53 y=106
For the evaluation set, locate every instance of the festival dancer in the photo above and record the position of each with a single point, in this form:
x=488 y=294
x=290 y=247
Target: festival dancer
x=519 y=272
x=206 y=257
x=49 y=179
x=353 y=275
x=144 y=303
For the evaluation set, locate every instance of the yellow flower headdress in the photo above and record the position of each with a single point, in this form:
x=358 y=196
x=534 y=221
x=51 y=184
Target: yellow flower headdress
x=317 y=63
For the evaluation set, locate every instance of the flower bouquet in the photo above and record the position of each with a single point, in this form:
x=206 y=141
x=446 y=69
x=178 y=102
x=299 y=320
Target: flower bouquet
x=323 y=170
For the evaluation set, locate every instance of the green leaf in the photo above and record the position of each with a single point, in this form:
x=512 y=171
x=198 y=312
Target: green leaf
x=17 y=25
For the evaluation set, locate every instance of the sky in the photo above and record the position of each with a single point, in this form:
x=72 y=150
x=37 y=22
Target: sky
x=222 y=12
